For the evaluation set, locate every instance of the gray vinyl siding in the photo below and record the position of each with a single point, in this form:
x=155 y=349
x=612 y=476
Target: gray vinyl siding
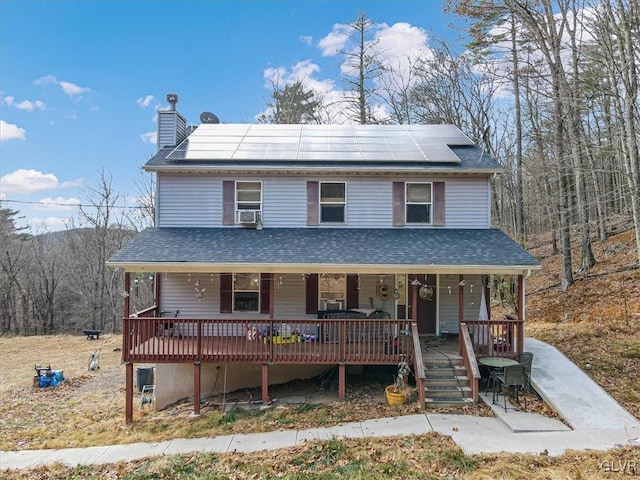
x=189 y=201
x=467 y=203
x=172 y=129
x=369 y=203
x=196 y=201
x=284 y=202
x=448 y=302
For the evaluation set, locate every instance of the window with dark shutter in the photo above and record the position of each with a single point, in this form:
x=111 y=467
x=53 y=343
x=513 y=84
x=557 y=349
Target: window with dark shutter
x=228 y=202
x=265 y=291
x=226 y=292
x=333 y=202
x=398 y=204
x=419 y=202
x=246 y=292
x=438 y=204
x=353 y=300
x=313 y=198
x=312 y=293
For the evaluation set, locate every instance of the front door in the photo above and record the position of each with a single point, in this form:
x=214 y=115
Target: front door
x=427 y=302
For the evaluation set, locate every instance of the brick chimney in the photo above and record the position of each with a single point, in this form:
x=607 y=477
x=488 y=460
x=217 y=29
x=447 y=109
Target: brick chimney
x=172 y=126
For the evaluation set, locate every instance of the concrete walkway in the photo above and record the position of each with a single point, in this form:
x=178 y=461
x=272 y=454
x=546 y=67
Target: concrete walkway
x=510 y=431
x=572 y=393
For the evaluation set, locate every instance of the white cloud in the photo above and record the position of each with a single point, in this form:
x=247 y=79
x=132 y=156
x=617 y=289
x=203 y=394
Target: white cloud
x=10 y=131
x=46 y=80
x=149 y=137
x=69 y=88
x=72 y=89
x=306 y=39
x=30 y=106
x=145 y=101
x=24 y=181
x=335 y=41
x=56 y=204
x=401 y=45
x=23 y=105
x=78 y=182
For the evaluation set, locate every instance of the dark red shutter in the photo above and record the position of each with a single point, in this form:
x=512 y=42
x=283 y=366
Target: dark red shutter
x=228 y=202
x=226 y=293
x=438 y=204
x=312 y=293
x=352 y=292
x=313 y=201
x=265 y=292
x=398 y=204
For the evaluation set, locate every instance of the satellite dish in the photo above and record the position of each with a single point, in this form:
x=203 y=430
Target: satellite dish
x=208 y=117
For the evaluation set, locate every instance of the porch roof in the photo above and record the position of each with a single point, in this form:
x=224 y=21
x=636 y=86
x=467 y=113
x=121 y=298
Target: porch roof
x=324 y=250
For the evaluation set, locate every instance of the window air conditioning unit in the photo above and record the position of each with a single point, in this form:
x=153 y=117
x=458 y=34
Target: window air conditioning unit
x=247 y=217
x=333 y=305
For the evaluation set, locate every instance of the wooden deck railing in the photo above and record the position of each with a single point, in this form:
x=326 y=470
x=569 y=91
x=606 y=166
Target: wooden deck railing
x=470 y=361
x=322 y=341
x=503 y=338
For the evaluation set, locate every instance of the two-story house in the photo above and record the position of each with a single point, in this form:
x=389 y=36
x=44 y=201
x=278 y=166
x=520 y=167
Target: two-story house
x=280 y=250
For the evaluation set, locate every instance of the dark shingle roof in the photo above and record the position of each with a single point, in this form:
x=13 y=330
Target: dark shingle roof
x=324 y=246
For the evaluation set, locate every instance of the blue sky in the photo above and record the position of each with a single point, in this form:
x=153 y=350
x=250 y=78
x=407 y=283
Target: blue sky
x=80 y=81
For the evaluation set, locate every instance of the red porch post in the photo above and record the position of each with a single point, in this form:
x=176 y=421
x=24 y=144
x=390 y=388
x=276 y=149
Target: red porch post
x=127 y=287
x=128 y=404
x=342 y=383
x=265 y=384
x=265 y=367
x=460 y=309
x=196 y=387
x=520 y=343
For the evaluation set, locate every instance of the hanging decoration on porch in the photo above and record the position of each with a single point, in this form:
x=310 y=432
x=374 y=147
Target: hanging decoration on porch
x=199 y=291
x=384 y=293
x=425 y=292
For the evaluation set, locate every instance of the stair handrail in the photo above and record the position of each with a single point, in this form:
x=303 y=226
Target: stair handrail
x=418 y=365
x=470 y=361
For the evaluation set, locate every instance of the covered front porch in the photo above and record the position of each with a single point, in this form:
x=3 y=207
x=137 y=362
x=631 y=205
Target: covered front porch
x=247 y=297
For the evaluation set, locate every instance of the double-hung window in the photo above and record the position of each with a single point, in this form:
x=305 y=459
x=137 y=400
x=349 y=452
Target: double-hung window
x=248 y=201
x=246 y=292
x=333 y=202
x=332 y=291
x=418 y=202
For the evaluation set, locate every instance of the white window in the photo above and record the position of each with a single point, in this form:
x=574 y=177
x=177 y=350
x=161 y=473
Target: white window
x=333 y=202
x=248 y=196
x=332 y=291
x=418 y=203
x=246 y=292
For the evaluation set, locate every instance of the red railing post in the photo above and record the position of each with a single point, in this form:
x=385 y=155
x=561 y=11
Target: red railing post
x=521 y=307
x=128 y=403
x=199 y=334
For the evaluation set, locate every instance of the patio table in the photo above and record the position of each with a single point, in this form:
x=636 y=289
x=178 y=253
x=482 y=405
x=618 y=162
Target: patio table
x=494 y=364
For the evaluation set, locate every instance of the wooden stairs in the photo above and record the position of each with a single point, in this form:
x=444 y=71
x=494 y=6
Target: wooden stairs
x=446 y=380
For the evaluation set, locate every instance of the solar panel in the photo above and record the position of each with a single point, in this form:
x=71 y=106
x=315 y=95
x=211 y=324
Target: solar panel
x=406 y=143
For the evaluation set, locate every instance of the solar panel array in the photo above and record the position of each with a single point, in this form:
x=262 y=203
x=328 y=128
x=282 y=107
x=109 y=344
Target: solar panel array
x=383 y=143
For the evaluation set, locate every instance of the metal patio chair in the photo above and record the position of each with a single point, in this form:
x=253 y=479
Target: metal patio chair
x=526 y=358
x=513 y=378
